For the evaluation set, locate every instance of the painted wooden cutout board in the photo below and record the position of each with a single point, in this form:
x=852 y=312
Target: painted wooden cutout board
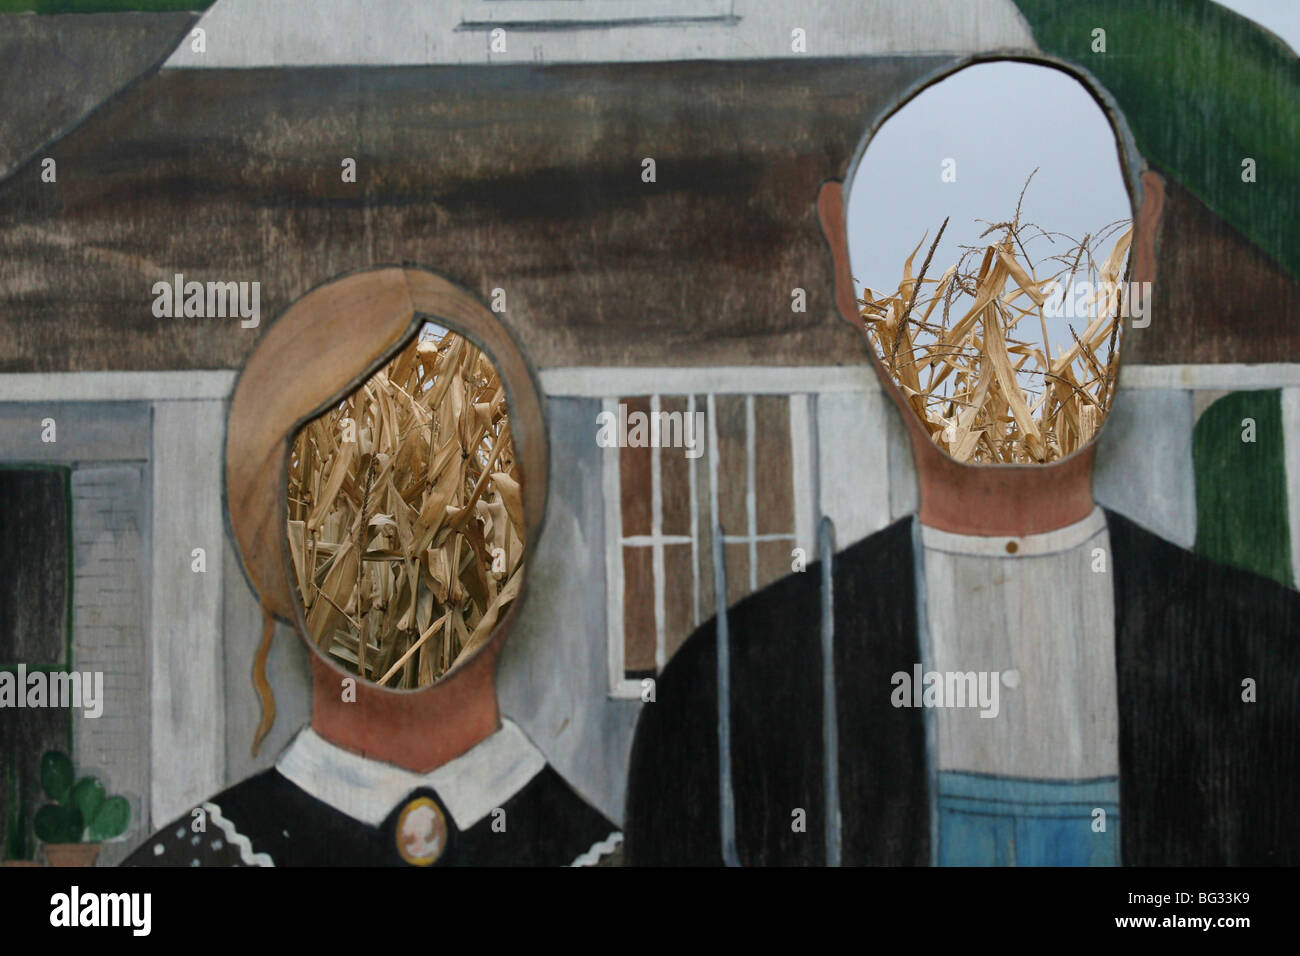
x=754 y=583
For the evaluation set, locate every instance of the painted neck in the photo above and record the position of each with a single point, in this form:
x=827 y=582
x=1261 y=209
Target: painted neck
x=419 y=730
x=1010 y=500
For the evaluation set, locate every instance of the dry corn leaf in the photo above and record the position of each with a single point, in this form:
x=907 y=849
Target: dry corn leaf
x=983 y=392
x=396 y=518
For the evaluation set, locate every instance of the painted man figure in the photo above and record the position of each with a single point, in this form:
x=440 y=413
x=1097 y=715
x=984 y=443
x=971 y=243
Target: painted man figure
x=1147 y=700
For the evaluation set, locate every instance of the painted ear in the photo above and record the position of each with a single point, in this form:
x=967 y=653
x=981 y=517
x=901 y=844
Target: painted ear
x=1148 y=222
x=830 y=212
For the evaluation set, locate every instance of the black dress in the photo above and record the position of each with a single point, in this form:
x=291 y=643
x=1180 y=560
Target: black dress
x=269 y=820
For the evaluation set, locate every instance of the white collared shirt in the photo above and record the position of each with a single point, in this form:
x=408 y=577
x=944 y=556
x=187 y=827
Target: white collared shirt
x=1037 y=610
x=471 y=785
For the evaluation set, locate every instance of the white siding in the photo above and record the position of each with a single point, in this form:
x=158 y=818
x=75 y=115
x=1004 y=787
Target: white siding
x=188 y=740
x=255 y=33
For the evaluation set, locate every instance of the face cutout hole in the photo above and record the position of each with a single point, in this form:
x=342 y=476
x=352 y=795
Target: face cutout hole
x=989 y=229
x=406 y=524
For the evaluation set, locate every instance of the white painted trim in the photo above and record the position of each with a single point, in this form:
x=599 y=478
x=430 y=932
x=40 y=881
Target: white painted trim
x=198 y=385
x=604 y=381
x=714 y=459
x=1291 y=451
x=619 y=686
x=255 y=33
x=237 y=839
x=695 y=519
x=755 y=538
x=657 y=531
x=599 y=849
x=625 y=689
x=601 y=382
x=187 y=743
x=751 y=493
x=853 y=463
x=1233 y=377
x=802 y=462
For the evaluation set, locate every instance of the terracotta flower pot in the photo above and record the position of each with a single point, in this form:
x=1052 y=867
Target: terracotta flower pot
x=19 y=863
x=72 y=854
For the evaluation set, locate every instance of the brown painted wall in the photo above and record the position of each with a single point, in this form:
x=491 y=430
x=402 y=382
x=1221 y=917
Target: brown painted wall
x=56 y=69
x=524 y=178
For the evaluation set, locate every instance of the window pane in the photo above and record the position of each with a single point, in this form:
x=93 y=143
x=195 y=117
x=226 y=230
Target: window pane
x=34 y=556
x=634 y=476
x=679 y=596
x=705 y=608
x=774 y=560
x=772 y=470
x=733 y=464
x=675 y=471
x=638 y=612
x=737 y=572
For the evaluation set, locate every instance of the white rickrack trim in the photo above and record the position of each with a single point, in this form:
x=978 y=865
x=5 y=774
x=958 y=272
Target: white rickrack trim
x=234 y=837
x=598 y=849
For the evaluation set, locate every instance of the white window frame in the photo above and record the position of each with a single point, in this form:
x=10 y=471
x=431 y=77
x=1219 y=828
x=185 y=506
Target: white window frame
x=801 y=452
x=609 y=385
x=615 y=542
x=800 y=384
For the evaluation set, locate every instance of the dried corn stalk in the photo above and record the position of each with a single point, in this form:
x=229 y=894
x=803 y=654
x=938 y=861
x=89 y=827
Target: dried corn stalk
x=406 y=517
x=964 y=348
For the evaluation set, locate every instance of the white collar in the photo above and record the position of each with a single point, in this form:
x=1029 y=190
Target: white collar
x=1027 y=546
x=471 y=785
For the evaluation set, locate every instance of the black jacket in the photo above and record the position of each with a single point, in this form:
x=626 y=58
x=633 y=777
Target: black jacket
x=1205 y=778
x=548 y=824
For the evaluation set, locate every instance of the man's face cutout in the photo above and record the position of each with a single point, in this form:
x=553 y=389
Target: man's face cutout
x=1000 y=342
x=405 y=515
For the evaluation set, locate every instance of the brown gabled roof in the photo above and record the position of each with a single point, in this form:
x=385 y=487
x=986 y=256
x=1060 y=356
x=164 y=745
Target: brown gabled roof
x=524 y=178
x=57 y=69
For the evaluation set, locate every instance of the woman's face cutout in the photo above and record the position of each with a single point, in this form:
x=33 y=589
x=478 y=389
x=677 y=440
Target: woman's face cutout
x=406 y=527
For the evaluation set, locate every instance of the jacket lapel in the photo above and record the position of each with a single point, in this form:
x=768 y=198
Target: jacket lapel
x=884 y=782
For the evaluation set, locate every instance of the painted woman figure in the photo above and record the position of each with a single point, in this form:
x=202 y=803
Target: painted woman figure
x=430 y=776
x=1137 y=704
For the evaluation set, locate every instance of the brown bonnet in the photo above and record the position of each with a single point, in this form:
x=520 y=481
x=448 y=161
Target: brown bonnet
x=318 y=351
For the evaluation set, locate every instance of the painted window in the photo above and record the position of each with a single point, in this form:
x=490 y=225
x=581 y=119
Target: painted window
x=34 y=588
x=734 y=463
x=35 y=597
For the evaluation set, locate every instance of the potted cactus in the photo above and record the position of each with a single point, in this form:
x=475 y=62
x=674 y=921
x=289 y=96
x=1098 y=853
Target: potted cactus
x=80 y=817
x=18 y=849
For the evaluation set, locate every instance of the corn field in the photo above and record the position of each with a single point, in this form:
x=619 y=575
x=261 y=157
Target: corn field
x=406 y=526
x=969 y=349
